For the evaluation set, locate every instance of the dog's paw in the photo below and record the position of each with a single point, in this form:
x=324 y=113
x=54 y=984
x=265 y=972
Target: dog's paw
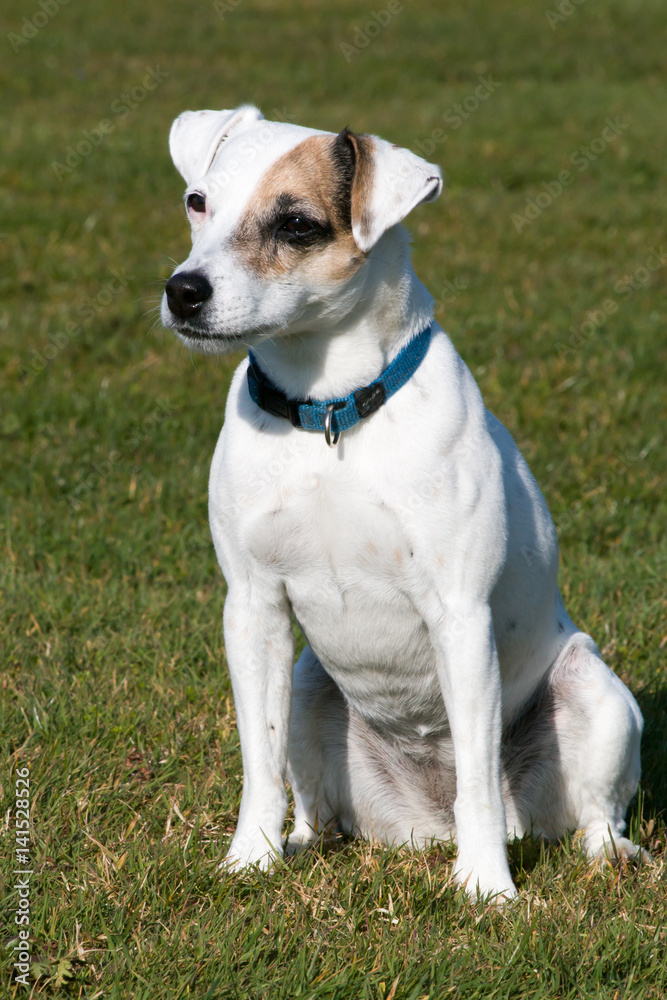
x=301 y=840
x=615 y=850
x=492 y=883
x=250 y=852
x=304 y=836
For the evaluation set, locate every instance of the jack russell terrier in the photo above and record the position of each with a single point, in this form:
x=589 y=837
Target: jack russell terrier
x=360 y=486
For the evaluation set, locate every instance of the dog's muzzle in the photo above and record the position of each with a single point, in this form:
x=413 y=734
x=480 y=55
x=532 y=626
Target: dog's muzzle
x=187 y=292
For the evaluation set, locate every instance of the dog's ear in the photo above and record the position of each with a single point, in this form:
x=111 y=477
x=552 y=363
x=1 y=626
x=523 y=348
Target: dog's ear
x=387 y=182
x=196 y=136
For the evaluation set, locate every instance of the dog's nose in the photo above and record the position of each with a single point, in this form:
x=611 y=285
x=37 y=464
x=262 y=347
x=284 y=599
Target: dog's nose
x=187 y=292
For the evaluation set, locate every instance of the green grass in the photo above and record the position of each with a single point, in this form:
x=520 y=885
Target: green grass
x=114 y=682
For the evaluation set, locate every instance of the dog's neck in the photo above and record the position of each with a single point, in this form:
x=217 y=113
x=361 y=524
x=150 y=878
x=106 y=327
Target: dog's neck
x=389 y=306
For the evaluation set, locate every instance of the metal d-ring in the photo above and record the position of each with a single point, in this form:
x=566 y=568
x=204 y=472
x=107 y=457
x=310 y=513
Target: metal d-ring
x=331 y=441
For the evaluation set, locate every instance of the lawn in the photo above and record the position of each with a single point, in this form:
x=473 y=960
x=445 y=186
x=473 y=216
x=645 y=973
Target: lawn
x=547 y=256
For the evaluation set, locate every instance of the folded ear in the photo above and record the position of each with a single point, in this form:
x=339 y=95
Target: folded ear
x=195 y=137
x=387 y=183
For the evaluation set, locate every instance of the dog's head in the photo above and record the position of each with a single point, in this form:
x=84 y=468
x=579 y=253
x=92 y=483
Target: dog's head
x=283 y=220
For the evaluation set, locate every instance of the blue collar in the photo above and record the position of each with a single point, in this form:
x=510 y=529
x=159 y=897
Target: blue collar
x=333 y=416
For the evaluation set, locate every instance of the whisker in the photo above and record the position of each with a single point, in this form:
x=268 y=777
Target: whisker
x=148 y=312
x=155 y=323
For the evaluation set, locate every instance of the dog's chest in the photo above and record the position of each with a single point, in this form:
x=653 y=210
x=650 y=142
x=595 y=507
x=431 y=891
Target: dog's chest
x=348 y=569
x=325 y=532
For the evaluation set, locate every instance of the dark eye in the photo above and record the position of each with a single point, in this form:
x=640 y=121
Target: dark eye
x=297 y=226
x=196 y=203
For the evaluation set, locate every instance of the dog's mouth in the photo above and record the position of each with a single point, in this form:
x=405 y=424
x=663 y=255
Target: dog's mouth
x=206 y=339
x=197 y=331
x=191 y=332
x=199 y=325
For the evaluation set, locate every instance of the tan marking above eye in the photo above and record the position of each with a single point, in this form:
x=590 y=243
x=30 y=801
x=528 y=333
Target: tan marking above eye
x=308 y=174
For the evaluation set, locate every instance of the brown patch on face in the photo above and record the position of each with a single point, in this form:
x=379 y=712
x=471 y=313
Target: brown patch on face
x=315 y=183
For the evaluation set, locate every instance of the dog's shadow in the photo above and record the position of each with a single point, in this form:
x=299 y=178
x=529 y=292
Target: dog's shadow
x=654 y=749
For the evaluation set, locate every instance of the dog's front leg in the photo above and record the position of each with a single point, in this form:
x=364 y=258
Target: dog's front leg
x=469 y=677
x=260 y=652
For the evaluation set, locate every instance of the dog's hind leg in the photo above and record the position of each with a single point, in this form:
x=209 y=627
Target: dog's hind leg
x=576 y=766
x=599 y=728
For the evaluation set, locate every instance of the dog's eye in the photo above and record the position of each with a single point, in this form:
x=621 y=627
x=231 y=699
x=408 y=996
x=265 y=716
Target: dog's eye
x=297 y=226
x=196 y=203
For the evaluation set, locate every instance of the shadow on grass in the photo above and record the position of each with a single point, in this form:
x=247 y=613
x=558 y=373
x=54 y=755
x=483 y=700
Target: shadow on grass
x=654 y=749
x=526 y=853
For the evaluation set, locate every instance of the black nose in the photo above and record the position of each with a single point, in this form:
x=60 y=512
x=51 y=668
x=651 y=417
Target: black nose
x=186 y=293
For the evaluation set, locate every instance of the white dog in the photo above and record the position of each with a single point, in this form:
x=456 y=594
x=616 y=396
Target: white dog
x=360 y=485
